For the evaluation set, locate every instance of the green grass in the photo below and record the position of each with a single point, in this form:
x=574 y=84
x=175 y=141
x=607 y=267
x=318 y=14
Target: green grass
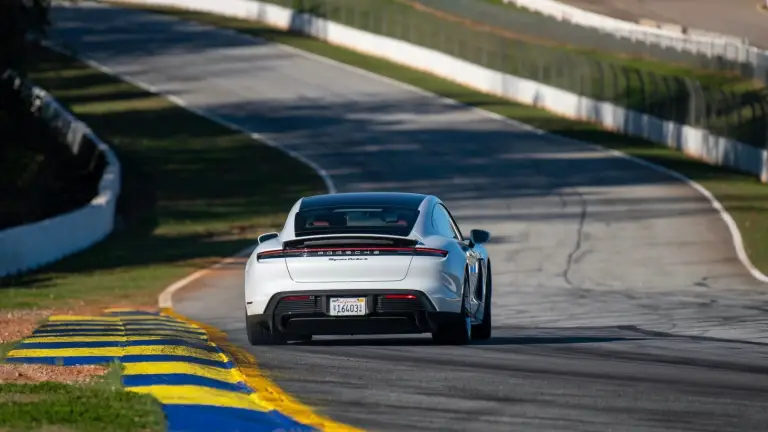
x=743 y=196
x=98 y=405
x=193 y=192
x=101 y=405
x=5 y=348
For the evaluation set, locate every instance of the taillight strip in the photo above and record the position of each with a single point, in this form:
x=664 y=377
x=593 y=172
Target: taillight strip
x=431 y=252
x=400 y=296
x=376 y=251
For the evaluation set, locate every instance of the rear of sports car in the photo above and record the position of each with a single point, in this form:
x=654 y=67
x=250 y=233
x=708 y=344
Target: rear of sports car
x=351 y=271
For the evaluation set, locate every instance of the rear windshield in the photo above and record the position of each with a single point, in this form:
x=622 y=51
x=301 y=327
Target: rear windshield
x=358 y=220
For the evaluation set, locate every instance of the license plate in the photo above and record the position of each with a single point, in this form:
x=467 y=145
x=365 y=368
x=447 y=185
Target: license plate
x=348 y=306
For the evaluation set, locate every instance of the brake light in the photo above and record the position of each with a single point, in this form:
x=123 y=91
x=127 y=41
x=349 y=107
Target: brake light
x=400 y=296
x=431 y=252
x=296 y=298
x=270 y=254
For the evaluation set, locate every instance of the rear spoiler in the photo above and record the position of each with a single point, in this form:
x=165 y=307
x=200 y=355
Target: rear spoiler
x=351 y=244
x=350 y=240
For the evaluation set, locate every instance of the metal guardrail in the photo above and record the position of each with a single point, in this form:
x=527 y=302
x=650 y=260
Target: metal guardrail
x=723 y=52
x=741 y=115
x=557 y=29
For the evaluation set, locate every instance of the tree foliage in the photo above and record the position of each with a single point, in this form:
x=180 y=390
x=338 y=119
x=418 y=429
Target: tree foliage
x=39 y=175
x=21 y=21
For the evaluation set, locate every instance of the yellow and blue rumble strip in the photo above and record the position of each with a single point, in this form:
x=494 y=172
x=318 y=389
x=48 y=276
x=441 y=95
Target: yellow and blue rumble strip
x=199 y=386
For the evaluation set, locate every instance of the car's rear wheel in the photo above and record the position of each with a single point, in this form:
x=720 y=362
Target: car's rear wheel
x=459 y=330
x=262 y=335
x=482 y=331
x=303 y=338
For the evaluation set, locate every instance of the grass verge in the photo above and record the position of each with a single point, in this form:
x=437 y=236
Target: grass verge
x=742 y=195
x=5 y=348
x=193 y=193
x=98 y=405
x=95 y=406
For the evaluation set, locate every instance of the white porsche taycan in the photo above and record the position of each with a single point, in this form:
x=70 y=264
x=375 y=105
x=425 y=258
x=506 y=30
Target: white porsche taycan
x=369 y=263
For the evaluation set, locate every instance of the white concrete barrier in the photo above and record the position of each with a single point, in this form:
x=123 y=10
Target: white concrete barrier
x=30 y=246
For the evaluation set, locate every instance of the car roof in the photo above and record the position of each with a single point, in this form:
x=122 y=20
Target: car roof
x=363 y=199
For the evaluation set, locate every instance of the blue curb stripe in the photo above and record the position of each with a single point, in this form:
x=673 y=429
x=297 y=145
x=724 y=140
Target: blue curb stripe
x=114 y=332
x=97 y=360
x=183 y=379
x=64 y=361
x=137 y=358
x=116 y=344
x=205 y=418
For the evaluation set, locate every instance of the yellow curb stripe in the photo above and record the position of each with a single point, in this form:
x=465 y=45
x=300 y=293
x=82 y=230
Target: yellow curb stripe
x=199 y=395
x=66 y=352
x=45 y=339
x=58 y=318
x=220 y=374
x=95 y=324
x=129 y=333
x=158 y=318
x=266 y=393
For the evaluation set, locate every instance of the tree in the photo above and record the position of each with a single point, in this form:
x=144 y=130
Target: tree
x=20 y=22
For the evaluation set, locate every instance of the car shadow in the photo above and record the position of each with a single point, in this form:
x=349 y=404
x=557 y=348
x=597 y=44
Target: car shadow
x=527 y=336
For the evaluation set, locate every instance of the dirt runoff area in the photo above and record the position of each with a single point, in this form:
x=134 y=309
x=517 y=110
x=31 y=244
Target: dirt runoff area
x=18 y=324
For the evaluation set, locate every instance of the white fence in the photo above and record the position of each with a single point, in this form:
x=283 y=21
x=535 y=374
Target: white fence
x=695 y=142
x=30 y=246
x=697 y=42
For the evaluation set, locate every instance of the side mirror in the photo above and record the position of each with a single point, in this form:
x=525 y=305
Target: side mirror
x=267 y=237
x=477 y=236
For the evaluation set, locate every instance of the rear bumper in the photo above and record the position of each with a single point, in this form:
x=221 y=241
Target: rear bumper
x=308 y=313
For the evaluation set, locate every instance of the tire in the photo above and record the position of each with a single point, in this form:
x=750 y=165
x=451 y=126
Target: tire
x=459 y=330
x=482 y=331
x=304 y=338
x=261 y=335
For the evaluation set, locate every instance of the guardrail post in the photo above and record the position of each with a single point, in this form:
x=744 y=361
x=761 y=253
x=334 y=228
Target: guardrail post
x=764 y=173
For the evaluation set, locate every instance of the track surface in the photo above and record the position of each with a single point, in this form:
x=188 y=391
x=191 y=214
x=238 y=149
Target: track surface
x=591 y=252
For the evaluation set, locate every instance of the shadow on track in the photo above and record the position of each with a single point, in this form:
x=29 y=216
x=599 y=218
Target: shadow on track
x=539 y=336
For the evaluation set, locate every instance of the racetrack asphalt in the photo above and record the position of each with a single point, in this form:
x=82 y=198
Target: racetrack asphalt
x=610 y=279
